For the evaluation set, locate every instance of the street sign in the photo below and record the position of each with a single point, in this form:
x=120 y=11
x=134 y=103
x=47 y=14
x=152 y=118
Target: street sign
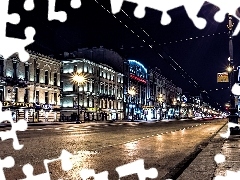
x=222 y=77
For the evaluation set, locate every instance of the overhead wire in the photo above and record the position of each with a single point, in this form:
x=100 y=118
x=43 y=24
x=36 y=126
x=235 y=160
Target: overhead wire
x=195 y=84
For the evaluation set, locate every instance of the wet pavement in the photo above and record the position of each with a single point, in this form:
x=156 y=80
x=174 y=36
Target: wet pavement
x=105 y=146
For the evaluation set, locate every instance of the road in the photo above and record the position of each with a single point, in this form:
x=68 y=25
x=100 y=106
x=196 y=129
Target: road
x=165 y=146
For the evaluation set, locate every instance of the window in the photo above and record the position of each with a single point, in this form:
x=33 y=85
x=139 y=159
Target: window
x=14 y=69
x=37 y=75
x=61 y=85
x=37 y=96
x=55 y=79
x=1 y=95
x=1 y=67
x=88 y=86
x=55 y=98
x=105 y=103
x=46 y=98
x=26 y=95
x=75 y=68
x=88 y=102
x=110 y=104
x=102 y=89
x=26 y=72
x=46 y=78
x=106 y=89
x=74 y=88
x=16 y=94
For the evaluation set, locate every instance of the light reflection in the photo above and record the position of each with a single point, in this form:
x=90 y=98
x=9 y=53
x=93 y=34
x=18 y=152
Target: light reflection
x=131 y=147
x=80 y=160
x=159 y=137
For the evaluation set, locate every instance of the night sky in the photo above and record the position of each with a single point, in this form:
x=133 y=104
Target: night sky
x=92 y=26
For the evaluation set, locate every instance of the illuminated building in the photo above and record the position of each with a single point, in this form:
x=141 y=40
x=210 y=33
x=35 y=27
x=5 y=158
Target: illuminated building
x=100 y=96
x=135 y=89
x=163 y=96
x=31 y=90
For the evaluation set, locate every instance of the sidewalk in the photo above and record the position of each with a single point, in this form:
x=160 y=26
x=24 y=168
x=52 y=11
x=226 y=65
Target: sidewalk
x=203 y=166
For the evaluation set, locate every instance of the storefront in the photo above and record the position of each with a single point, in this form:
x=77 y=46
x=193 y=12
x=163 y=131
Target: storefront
x=47 y=113
x=149 y=112
x=20 y=110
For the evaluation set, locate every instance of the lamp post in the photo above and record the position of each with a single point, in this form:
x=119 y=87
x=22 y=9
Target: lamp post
x=174 y=105
x=79 y=79
x=132 y=93
x=160 y=101
x=230 y=67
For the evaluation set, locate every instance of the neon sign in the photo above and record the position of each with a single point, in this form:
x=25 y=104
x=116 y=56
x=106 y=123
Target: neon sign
x=138 y=78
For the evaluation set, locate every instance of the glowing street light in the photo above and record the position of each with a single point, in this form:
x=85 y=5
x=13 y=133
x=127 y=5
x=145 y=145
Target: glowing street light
x=160 y=100
x=79 y=79
x=132 y=91
x=229 y=69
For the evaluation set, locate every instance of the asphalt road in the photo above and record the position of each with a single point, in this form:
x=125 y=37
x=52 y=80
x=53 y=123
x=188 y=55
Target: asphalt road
x=105 y=146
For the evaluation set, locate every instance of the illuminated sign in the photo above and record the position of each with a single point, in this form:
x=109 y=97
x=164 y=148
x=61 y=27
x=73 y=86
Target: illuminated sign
x=92 y=109
x=222 y=77
x=138 y=78
x=47 y=106
x=18 y=104
x=148 y=107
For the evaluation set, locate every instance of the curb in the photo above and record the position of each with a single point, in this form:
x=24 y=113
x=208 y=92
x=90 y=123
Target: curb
x=204 y=165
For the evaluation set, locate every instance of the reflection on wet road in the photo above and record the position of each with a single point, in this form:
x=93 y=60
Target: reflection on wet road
x=106 y=146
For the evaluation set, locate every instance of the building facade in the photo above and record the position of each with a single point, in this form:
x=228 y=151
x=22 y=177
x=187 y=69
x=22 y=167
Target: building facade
x=100 y=97
x=135 y=87
x=163 y=96
x=31 y=90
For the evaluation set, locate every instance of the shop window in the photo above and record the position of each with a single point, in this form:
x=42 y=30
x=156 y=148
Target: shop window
x=37 y=75
x=46 y=78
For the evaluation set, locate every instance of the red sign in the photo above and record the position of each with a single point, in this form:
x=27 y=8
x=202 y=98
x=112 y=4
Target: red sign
x=138 y=78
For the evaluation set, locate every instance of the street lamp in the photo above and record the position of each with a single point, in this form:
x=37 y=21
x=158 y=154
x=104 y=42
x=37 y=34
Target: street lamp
x=160 y=100
x=79 y=79
x=131 y=92
x=229 y=69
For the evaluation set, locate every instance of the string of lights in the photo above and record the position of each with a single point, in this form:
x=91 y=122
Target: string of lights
x=184 y=74
x=193 y=38
x=172 y=42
